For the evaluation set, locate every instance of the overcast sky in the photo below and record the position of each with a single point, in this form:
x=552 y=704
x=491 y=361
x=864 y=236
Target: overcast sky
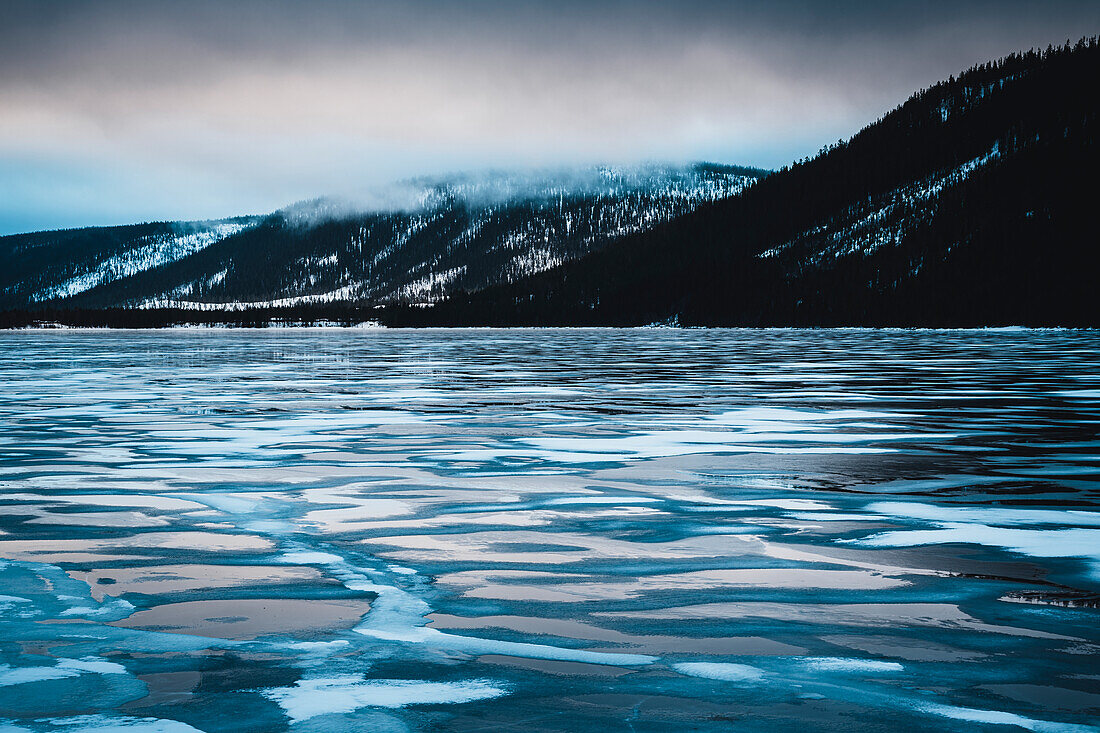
x=120 y=111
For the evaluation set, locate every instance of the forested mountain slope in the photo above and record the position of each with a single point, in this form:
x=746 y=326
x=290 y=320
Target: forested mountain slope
x=427 y=239
x=973 y=203
x=57 y=265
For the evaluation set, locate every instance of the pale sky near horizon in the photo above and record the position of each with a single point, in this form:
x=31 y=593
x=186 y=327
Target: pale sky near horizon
x=132 y=110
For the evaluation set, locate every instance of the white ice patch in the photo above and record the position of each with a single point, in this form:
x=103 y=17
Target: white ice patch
x=586 y=450
x=306 y=557
x=64 y=668
x=91 y=664
x=841 y=664
x=684 y=442
x=830 y=517
x=783 y=419
x=225 y=503
x=798 y=505
x=114 y=609
x=112 y=724
x=6 y=727
x=726 y=672
x=347 y=693
x=996 y=717
x=571 y=500
x=476 y=645
x=355 y=512
x=754 y=430
x=1083 y=543
x=23 y=675
x=986 y=515
x=1085 y=394
x=320 y=648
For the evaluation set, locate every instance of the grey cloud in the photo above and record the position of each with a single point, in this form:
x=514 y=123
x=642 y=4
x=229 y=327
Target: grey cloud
x=202 y=108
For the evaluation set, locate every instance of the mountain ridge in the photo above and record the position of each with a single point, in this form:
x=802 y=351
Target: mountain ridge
x=408 y=244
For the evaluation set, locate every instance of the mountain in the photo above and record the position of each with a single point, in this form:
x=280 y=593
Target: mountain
x=53 y=266
x=412 y=243
x=973 y=203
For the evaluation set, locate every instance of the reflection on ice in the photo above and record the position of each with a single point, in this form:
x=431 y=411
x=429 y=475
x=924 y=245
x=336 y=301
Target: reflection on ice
x=864 y=615
x=248 y=618
x=560 y=588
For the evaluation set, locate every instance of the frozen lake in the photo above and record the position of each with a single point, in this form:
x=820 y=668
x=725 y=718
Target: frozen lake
x=641 y=530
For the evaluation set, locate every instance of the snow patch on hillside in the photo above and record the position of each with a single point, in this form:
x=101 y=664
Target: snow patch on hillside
x=152 y=251
x=341 y=295
x=428 y=288
x=867 y=226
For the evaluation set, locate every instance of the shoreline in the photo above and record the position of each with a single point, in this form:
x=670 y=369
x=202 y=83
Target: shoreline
x=376 y=326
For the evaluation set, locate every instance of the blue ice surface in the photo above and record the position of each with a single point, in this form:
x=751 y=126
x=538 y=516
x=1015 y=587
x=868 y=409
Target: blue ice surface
x=549 y=529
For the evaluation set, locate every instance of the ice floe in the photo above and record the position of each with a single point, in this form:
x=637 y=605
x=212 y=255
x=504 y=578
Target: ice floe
x=309 y=698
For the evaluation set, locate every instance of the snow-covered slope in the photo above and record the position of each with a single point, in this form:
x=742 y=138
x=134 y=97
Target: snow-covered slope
x=58 y=265
x=144 y=254
x=875 y=222
x=415 y=242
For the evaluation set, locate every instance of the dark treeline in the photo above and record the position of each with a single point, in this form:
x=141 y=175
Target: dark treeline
x=970 y=204
x=339 y=314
